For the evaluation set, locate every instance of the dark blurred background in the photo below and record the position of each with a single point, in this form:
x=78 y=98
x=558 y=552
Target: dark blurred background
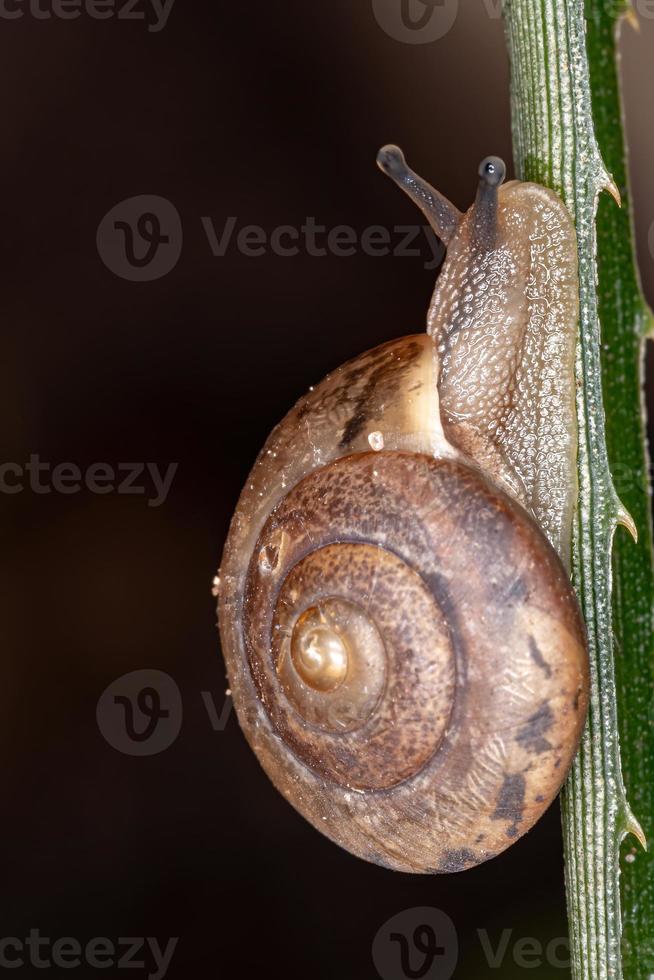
x=269 y=114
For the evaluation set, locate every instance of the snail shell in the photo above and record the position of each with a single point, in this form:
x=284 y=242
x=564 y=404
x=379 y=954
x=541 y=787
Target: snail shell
x=405 y=652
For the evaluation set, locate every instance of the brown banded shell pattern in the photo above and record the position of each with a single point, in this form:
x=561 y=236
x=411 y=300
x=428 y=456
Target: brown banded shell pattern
x=404 y=648
x=409 y=663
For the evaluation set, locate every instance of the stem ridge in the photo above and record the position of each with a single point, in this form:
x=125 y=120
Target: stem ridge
x=556 y=144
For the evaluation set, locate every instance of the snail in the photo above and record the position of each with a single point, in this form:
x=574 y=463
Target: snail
x=405 y=652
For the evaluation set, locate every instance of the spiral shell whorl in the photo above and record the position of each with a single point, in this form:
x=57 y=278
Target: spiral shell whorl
x=388 y=715
x=456 y=674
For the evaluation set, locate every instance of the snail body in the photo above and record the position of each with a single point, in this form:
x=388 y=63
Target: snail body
x=405 y=652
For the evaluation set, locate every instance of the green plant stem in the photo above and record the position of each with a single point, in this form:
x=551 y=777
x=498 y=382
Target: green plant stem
x=556 y=145
x=625 y=322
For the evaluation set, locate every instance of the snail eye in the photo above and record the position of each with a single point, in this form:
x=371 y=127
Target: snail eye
x=492 y=170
